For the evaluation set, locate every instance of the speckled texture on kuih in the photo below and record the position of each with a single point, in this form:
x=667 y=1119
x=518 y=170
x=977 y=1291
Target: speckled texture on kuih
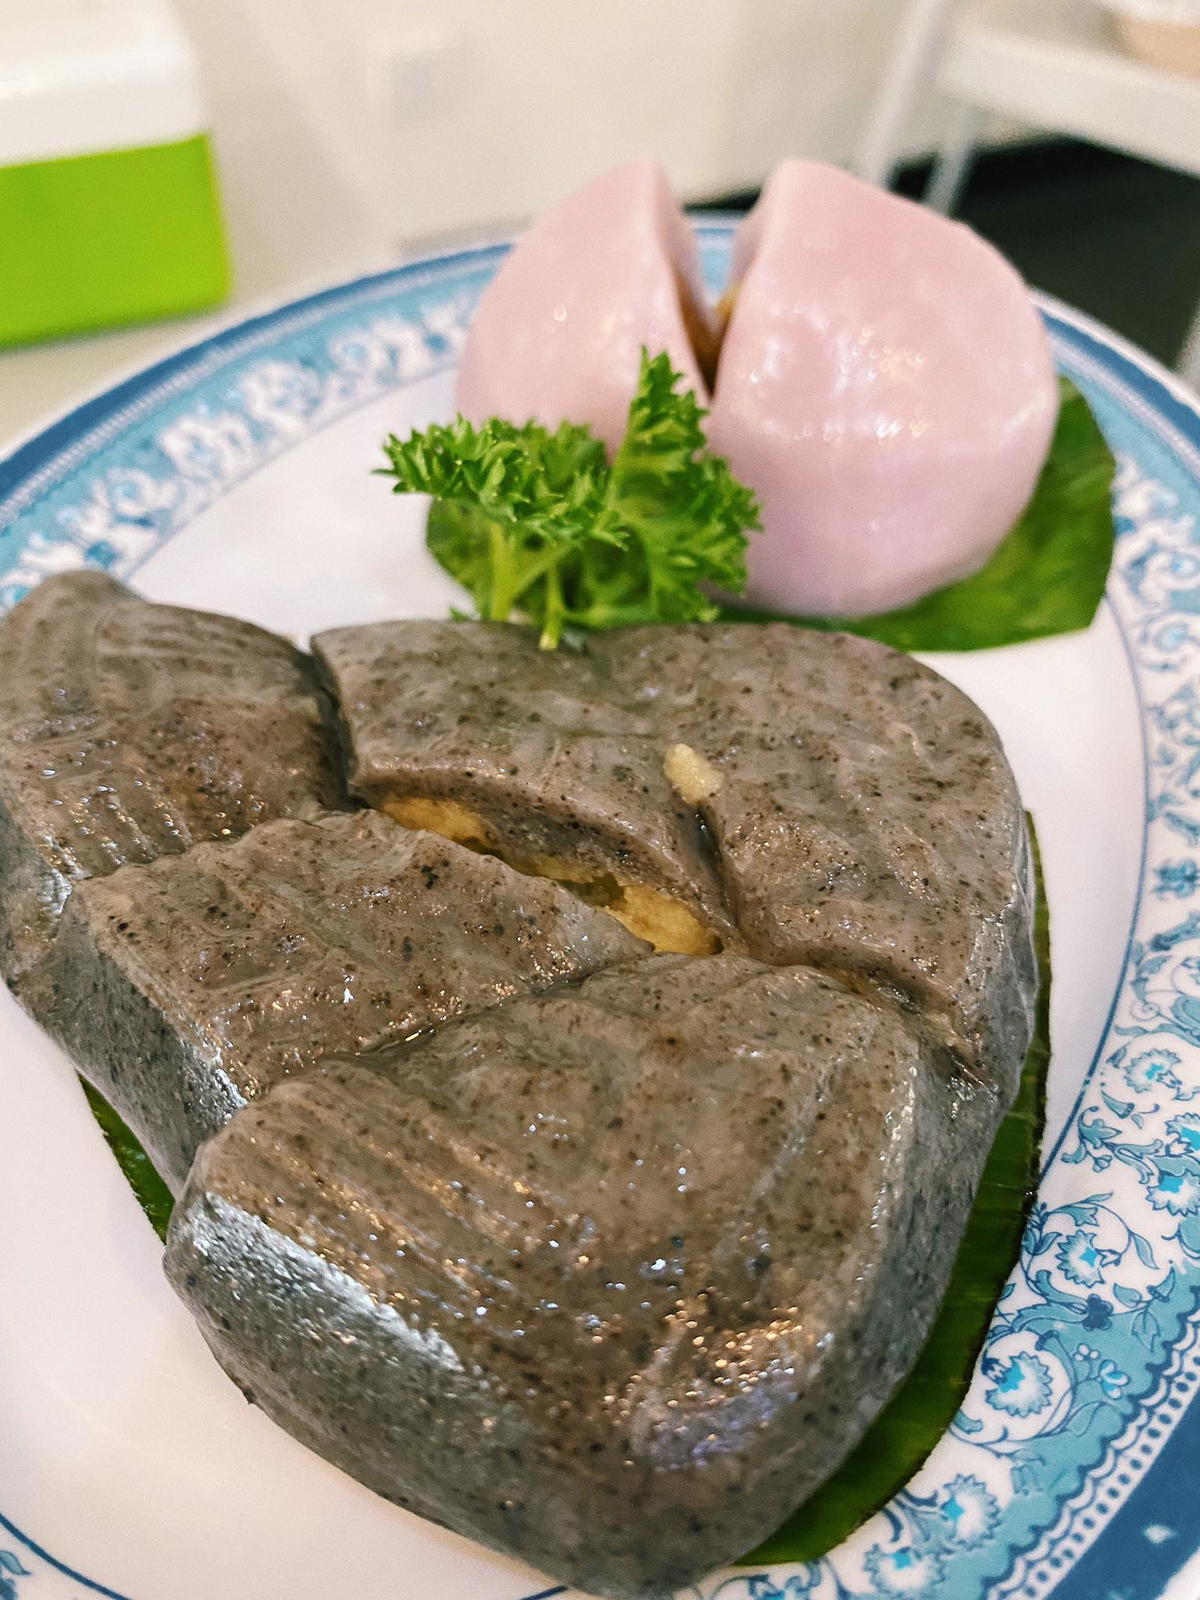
x=866 y=819
x=556 y=760
x=604 y=1258
x=129 y=731
x=188 y=987
x=614 y=1276
x=610 y=1277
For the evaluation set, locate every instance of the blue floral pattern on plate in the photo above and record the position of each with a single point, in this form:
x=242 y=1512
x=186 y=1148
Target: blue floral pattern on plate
x=11 y=1568
x=1092 y=1359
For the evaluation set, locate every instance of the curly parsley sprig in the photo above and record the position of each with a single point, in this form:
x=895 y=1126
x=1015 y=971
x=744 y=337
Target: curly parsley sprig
x=536 y=524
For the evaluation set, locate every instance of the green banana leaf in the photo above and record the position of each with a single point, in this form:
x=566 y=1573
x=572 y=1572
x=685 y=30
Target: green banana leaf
x=151 y=1192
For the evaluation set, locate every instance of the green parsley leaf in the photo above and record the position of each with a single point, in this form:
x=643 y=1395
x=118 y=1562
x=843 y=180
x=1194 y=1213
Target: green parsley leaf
x=535 y=523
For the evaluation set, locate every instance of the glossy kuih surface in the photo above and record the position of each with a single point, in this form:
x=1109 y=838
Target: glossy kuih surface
x=560 y=330
x=602 y=1258
x=861 y=812
x=666 y=1239
x=187 y=987
x=610 y=1277
x=130 y=731
x=539 y=754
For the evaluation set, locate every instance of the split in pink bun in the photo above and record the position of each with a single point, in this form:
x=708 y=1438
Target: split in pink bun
x=884 y=384
x=887 y=389
x=559 y=332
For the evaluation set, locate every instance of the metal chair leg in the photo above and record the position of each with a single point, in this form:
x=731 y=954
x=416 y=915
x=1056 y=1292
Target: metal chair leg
x=953 y=165
x=912 y=57
x=1188 y=365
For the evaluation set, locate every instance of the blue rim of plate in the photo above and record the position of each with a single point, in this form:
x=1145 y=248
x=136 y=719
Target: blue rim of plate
x=1070 y=1469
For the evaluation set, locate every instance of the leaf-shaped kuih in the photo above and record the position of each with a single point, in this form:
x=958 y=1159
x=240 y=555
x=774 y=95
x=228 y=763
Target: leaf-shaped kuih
x=924 y=1406
x=815 y=1120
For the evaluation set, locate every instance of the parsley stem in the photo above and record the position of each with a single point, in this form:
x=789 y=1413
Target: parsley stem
x=501 y=598
x=535 y=570
x=554 y=613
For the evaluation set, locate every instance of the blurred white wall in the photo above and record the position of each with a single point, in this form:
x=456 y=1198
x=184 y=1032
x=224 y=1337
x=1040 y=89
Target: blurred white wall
x=345 y=129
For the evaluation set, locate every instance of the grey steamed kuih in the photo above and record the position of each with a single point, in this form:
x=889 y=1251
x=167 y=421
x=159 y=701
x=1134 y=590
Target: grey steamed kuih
x=552 y=760
x=188 y=987
x=612 y=1277
x=129 y=731
x=862 y=814
x=602 y=1257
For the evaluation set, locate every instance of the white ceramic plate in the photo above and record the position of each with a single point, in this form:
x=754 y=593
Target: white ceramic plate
x=235 y=476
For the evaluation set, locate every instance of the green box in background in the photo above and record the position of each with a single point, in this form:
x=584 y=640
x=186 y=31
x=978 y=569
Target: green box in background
x=109 y=210
x=113 y=237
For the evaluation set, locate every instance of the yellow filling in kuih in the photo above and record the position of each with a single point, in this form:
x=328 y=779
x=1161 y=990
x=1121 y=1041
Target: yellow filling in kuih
x=651 y=914
x=662 y=921
x=450 y=818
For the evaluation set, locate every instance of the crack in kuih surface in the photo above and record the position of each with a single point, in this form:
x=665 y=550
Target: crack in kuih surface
x=812 y=799
x=669 y=927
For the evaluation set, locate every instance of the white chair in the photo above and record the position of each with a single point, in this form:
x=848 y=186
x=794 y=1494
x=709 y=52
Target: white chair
x=1055 y=64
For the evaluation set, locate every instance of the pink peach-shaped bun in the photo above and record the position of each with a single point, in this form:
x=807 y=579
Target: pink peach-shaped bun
x=885 y=386
x=559 y=331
